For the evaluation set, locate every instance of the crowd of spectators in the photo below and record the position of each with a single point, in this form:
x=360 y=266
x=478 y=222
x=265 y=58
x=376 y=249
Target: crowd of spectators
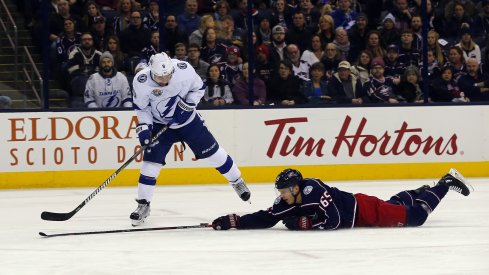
x=305 y=51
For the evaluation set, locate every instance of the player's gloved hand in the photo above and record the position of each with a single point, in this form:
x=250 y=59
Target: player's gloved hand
x=183 y=111
x=298 y=223
x=226 y=222
x=144 y=133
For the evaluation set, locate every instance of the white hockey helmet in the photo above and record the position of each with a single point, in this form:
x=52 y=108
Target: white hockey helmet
x=160 y=64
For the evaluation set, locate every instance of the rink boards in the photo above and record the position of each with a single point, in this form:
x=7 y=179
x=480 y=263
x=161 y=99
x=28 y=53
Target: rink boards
x=75 y=149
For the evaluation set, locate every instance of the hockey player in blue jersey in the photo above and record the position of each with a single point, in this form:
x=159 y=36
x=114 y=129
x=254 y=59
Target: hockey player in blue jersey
x=308 y=203
x=167 y=92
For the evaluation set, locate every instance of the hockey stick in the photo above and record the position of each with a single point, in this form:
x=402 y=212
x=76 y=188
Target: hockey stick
x=202 y=225
x=52 y=216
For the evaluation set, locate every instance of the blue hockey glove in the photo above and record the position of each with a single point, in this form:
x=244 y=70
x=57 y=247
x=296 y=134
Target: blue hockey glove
x=183 y=111
x=298 y=223
x=144 y=133
x=226 y=222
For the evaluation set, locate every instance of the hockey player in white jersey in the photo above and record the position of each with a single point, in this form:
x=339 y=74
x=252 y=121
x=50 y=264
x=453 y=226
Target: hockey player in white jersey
x=107 y=88
x=167 y=93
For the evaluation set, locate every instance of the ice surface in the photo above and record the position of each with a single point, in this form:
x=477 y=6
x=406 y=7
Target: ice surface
x=454 y=240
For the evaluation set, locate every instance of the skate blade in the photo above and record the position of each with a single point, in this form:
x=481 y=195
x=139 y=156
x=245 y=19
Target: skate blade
x=135 y=223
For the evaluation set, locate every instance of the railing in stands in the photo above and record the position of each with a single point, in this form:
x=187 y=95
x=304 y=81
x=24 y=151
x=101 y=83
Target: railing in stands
x=13 y=41
x=33 y=74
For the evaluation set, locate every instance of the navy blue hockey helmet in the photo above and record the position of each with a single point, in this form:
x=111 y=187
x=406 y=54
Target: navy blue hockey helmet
x=288 y=178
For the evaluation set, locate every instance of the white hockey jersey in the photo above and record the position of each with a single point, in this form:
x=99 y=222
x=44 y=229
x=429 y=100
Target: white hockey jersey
x=107 y=92
x=155 y=103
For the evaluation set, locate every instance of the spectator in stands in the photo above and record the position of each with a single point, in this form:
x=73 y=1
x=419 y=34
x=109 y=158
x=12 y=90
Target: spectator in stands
x=357 y=35
x=281 y=15
x=123 y=18
x=311 y=14
x=326 y=29
x=285 y=87
x=298 y=34
x=263 y=67
x=389 y=33
x=190 y=20
x=481 y=24
x=470 y=8
x=172 y=35
x=57 y=21
x=468 y=46
x=343 y=15
x=100 y=33
x=212 y=51
x=264 y=31
x=153 y=47
x=470 y=83
x=207 y=21
x=5 y=102
x=379 y=89
x=456 y=60
x=135 y=37
x=277 y=48
x=316 y=88
x=392 y=67
x=361 y=69
x=107 y=5
x=453 y=27
x=152 y=20
x=82 y=62
x=217 y=92
x=228 y=34
x=343 y=45
x=314 y=52
x=401 y=14
x=241 y=92
x=344 y=87
x=90 y=12
x=412 y=94
x=408 y=55
x=222 y=9
x=444 y=88
x=240 y=14
x=107 y=88
x=199 y=65
x=180 y=52
x=66 y=42
x=120 y=58
x=299 y=67
x=330 y=60
x=374 y=44
x=433 y=45
x=433 y=66
x=232 y=67
x=416 y=27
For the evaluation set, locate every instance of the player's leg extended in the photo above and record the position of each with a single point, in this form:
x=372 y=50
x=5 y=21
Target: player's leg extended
x=205 y=146
x=428 y=200
x=407 y=197
x=153 y=160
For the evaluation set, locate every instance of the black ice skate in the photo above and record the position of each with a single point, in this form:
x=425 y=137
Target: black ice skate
x=456 y=182
x=139 y=215
x=241 y=189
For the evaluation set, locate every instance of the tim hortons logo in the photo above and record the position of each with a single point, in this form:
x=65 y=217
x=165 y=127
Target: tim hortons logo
x=405 y=140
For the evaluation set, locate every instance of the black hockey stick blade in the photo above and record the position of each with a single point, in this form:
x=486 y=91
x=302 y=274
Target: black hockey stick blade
x=52 y=216
x=202 y=225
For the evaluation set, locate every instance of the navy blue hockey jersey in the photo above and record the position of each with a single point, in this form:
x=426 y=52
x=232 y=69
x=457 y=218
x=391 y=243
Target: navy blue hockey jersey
x=330 y=207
